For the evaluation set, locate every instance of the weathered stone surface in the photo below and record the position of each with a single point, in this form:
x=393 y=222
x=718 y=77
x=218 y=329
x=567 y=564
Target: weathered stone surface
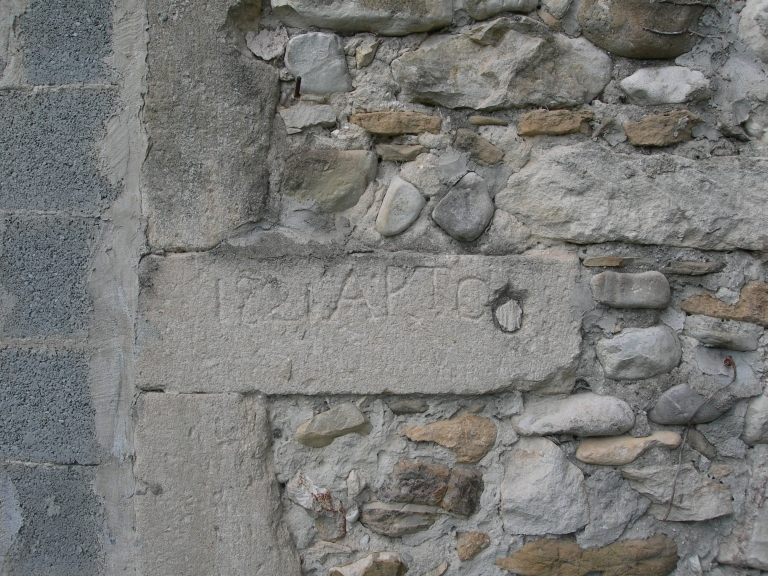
x=570 y=192
x=206 y=499
x=747 y=545
x=376 y=324
x=414 y=482
x=576 y=74
x=334 y=179
x=479 y=149
x=607 y=262
x=464 y=490
x=483 y=9
x=410 y=406
x=377 y=564
x=676 y=406
x=487 y=121
x=400 y=208
x=556 y=8
x=327 y=426
x=466 y=210
x=723 y=333
x=199 y=179
x=666 y=85
x=756 y=421
x=542 y=493
x=751 y=307
x=656 y=556
x=366 y=52
x=320 y=504
x=612 y=506
x=554 y=122
x=581 y=414
x=699 y=442
x=621 y=450
x=469 y=436
x=393 y=123
x=638 y=353
x=399 y=152
x=389 y=17
x=509 y=316
x=298 y=118
x=692 y=268
x=631 y=29
x=318 y=58
x=267 y=44
x=397 y=519
x=622 y=290
x=697 y=497
x=753 y=30
x=662 y=129
x=470 y=544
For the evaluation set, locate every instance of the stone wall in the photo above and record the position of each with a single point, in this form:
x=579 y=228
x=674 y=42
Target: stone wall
x=372 y=287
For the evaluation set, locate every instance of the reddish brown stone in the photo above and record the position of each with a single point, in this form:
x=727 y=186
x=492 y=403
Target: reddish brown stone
x=751 y=307
x=469 y=436
x=470 y=544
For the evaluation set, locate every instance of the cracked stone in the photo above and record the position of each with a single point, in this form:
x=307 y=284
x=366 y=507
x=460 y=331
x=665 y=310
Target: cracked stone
x=327 y=426
x=470 y=437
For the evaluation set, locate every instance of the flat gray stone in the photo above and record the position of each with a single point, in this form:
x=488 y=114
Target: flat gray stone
x=206 y=498
x=400 y=208
x=581 y=414
x=666 y=85
x=697 y=497
x=333 y=179
x=741 y=336
x=387 y=17
x=570 y=193
x=542 y=493
x=676 y=406
x=577 y=71
x=319 y=59
x=327 y=426
x=756 y=421
x=267 y=44
x=638 y=353
x=399 y=152
x=356 y=324
x=612 y=506
x=466 y=210
x=298 y=118
x=623 y=290
x=483 y=9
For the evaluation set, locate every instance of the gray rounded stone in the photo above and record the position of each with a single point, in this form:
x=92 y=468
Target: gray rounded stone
x=319 y=60
x=676 y=406
x=621 y=290
x=400 y=208
x=639 y=353
x=466 y=210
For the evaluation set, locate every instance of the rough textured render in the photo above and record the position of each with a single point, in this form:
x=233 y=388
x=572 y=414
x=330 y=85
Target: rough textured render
x=362 y=324
x=206 y=499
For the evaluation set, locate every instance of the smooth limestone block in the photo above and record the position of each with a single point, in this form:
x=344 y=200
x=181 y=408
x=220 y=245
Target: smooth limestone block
x=622 y=290
x=581 y=414
x=638 y=353
x=206 y=499
x=358 y=324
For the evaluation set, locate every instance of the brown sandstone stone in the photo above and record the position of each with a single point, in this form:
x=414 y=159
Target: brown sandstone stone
x=656 y=556
x=469 y=436
x=620 y=450
x=378 y=564
x=662 y=129
x=470 y=544
x=399 y=152
x=480 y=150
x=607 y=261
x=391 y=123
x=692 y=268
x=554 y=123
x=751 y=307
x=487 y=121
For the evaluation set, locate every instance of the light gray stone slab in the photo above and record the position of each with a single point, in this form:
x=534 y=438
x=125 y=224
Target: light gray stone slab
x=581 y=414
x=585 y=194
x=298 y=118
x=622 y=290
x=666 y=85
x=387 y=17
x=741 y=336
x=206 y=498
x=506 y=72
x=406 y=323
x=542 y=493
x=401 y=206
x=638 y=353
x=318 y=58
